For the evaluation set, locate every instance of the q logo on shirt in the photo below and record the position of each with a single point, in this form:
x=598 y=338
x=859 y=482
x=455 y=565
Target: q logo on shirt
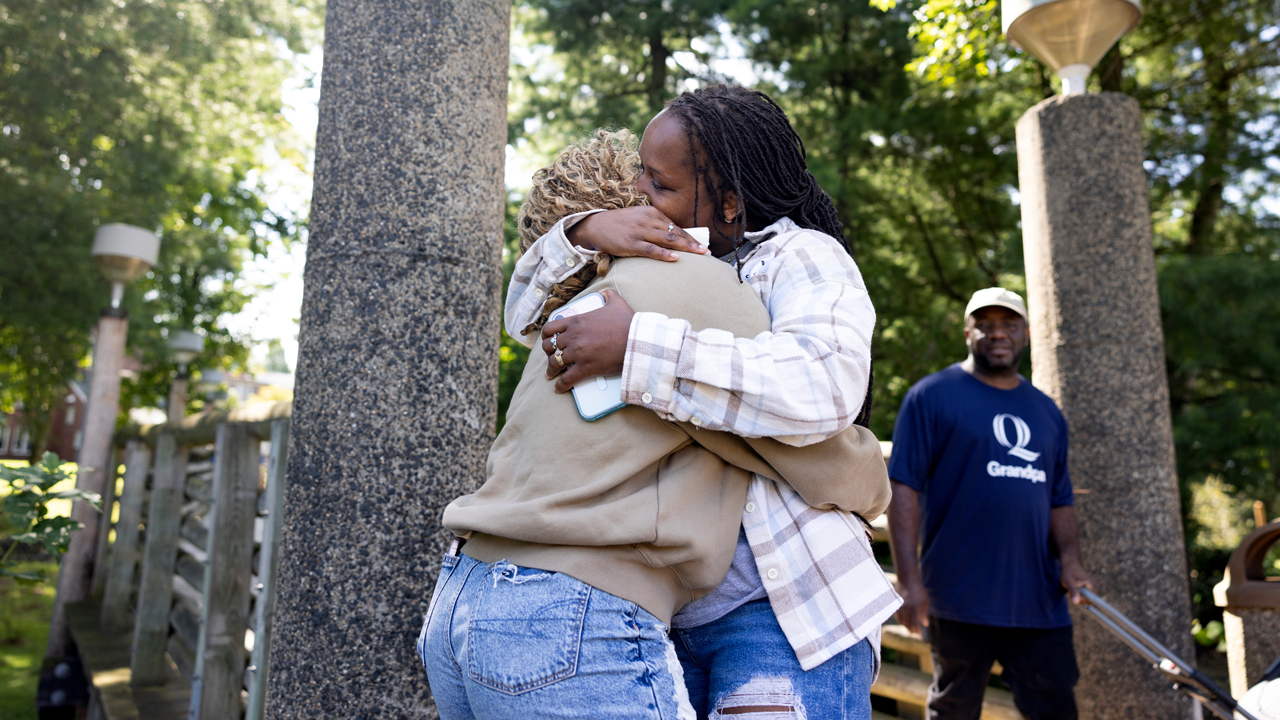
x=1018 y=450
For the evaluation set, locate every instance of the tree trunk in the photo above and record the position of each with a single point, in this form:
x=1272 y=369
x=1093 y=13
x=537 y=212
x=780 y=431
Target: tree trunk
x=1212 y=175
x=1110 y=68
x=658 y=54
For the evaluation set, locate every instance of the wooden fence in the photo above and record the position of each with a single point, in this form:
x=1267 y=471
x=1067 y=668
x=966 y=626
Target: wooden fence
x=183 y=627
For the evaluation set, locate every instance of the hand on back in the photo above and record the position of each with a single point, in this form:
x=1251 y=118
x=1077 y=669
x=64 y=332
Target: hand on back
x=590 y=345
x=641 y=231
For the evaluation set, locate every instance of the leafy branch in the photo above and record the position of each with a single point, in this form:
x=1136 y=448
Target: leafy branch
x=26 y=508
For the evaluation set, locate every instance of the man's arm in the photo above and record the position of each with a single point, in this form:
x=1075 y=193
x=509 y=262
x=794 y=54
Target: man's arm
x=904 y=536
x=1062 y=528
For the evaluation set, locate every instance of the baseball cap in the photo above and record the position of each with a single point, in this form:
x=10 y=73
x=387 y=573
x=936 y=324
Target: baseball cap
x=996 y=296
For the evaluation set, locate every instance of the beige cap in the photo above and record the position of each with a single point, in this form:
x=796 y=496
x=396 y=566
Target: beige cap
x=997 y=296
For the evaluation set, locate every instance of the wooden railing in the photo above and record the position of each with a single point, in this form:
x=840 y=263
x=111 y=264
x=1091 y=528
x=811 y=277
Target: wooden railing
x=183 y=627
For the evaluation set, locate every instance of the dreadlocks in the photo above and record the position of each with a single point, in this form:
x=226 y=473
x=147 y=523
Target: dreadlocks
x=743 y=143
x=750 y=149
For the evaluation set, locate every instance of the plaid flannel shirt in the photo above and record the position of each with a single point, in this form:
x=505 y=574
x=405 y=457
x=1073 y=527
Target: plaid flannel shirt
x=824 y=584
x=800 y=383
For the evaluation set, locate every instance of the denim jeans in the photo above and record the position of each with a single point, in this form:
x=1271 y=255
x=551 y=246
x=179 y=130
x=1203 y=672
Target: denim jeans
x=742 y=666
x=502 y=642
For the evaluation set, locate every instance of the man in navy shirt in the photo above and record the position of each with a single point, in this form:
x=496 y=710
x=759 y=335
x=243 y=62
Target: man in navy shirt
x=979 y=470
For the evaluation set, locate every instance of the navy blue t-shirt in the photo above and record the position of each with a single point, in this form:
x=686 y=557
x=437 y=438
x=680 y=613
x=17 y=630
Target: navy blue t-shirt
x=989 y=465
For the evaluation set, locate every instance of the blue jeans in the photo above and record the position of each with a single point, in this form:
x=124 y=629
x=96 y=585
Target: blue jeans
x=503 y=642
x=742 y=666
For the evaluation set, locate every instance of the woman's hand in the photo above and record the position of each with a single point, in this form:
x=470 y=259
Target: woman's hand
x=640 y=231
x=590 y=344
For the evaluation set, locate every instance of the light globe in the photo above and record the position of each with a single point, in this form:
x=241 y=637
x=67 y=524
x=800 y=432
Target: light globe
x=184 y=346
x=125 y=253
x=1070 y=36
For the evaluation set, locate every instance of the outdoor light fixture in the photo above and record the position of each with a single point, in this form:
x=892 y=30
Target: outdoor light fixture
x=124 y=253
x=1070 y=36
x=184 y=346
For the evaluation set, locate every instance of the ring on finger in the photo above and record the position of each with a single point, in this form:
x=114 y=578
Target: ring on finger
x=559 y=356
x=553 y=341
x=671 y=230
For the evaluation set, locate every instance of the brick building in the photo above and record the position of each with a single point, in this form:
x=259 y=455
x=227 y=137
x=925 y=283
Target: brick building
x=64 y=428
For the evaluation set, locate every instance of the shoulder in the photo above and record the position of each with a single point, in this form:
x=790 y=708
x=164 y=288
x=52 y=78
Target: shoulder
x=937 y=384
x=789 y=241
x=791 y=253
x=1042 y=400
x=1040 y=397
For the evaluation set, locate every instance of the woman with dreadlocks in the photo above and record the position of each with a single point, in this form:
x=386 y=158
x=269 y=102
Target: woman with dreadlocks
x=801 y=641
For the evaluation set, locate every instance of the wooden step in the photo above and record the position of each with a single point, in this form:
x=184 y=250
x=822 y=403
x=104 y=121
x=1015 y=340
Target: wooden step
x=106 y=662
x=912 y=686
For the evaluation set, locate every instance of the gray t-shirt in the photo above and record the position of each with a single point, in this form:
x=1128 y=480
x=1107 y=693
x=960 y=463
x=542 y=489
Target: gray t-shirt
x=741 y=585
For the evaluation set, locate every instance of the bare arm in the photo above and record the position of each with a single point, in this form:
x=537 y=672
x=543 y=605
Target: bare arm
x=904 y=535
x=1062 y=529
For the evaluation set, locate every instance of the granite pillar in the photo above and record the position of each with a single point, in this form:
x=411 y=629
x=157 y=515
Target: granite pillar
x=1098 y=350
x=76 y=568
x=1250 y=602
x=1253 y=643
x=395 y=400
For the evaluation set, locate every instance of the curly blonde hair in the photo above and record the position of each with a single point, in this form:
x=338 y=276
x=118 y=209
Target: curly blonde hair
x=597 y=173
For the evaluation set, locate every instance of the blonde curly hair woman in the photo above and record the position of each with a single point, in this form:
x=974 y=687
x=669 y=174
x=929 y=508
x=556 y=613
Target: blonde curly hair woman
x=599 y=173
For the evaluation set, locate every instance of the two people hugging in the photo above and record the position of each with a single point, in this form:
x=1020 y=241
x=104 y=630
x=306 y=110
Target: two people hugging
x=700 y=552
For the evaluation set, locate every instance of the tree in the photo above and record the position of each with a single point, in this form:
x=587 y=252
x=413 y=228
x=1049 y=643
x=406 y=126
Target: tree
x=155 y=114
x=617 y=61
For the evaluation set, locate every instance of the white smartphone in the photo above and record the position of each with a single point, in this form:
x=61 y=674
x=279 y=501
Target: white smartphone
x=598 y=396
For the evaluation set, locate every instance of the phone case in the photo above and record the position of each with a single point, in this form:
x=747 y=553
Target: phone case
x=598 y=396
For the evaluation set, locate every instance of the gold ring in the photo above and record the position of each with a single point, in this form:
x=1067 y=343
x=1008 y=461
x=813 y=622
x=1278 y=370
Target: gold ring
x=559 y=356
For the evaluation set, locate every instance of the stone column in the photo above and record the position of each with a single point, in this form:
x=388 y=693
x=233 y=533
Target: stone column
x=76 y=569
x=178 y=397
x=396 y=391
x=1097 y=349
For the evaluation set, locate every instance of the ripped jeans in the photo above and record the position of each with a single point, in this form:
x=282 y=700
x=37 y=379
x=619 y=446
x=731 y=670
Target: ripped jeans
x=741 y=667
x=502 y=642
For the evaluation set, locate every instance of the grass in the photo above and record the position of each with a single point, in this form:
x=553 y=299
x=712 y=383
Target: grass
x=24 y=627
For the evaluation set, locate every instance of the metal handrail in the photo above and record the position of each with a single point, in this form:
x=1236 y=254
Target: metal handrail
x=1186 y=679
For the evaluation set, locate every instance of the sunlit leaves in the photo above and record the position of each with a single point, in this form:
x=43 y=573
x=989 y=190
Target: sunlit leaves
x=25 y=506
x=956 y=38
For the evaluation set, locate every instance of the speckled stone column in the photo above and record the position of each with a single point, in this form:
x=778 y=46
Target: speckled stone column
x=1098 y=350
x=397 y=374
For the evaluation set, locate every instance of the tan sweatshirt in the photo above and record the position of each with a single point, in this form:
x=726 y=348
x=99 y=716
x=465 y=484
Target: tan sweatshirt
x=639 y=507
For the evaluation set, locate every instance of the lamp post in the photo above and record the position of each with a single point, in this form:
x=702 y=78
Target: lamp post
x=1070 y=36
x=184 y=346
x=124 y=253
x=1098 y=349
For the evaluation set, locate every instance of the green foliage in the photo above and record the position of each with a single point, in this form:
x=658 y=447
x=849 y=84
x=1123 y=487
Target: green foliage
x=615 y=62
x=512 y=356
x=24 y=626
x=26 y=512
x=1223 y=370
x=157 y=114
